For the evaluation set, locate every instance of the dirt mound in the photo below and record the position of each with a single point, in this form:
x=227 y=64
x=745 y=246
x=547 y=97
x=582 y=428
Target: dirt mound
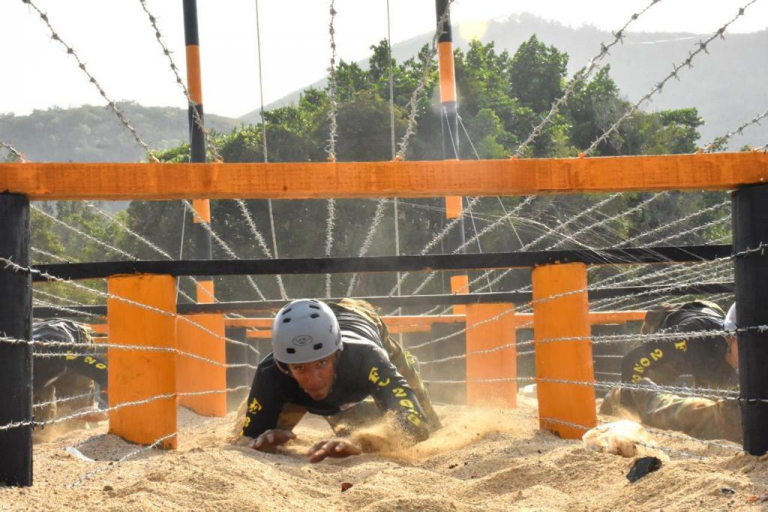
x=482 y=460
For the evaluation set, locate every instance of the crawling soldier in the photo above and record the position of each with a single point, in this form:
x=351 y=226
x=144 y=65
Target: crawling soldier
x=327 y=359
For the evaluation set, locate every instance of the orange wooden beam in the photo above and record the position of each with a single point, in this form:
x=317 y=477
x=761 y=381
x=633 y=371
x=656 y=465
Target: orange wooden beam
x=151 y=181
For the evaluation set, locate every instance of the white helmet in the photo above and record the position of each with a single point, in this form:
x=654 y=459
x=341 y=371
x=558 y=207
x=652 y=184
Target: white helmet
x=730 y=319
x=305 y=330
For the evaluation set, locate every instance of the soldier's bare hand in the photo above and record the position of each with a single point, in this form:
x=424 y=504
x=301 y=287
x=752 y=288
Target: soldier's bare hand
x=271 y=439
x=337 y=448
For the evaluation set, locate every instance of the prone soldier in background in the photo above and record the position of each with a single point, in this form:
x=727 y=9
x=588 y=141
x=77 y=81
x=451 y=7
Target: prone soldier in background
x=712 y=361
x=62 y=369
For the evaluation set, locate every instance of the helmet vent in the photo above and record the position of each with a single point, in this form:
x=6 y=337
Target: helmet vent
x=290 y=350
x=286 y=320
x=314 y=315
x=317 y=346
x=287 y=311
x=312 y=306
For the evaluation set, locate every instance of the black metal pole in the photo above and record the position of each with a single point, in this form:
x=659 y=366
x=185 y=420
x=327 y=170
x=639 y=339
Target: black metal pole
x=750 y=231
x=15 y=360
x=197 y=150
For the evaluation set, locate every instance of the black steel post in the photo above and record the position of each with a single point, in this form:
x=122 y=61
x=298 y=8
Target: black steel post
x=15 y=360
x=197 y=149
x=750 y=231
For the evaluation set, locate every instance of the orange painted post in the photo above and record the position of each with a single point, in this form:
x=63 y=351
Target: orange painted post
x=136 y=375
x=565 y=316
x=460 y=286
x=194 y=375
x=483 y=334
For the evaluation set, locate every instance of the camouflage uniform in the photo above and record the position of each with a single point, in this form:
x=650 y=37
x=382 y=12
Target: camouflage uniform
x=63 y=375
x=698 y=417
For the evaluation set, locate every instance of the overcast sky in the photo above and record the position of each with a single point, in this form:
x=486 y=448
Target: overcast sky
x=115 y=39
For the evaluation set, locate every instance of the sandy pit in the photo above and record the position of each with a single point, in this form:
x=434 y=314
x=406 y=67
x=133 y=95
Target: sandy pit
x=482 y=460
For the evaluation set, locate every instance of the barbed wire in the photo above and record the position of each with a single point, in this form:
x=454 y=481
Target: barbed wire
x=437 y=238
x=175 y=70
x=421 y=86
x=50 y=255
x=720 y=142
x=84 y=234
x=378 y=216
x=207 y=226
x=15 y=152
x=15 y=267
x=111 y=103
x=262 y=242
x=702 y=47
x=476 y=238
x=91 y=394
x=579 y=78
x=98 y=347
x=329 y=225
x=149 y=244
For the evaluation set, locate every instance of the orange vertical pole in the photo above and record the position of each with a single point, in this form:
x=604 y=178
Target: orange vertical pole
x=460 y=286
x=137 y=374
x=194 y=375
x=483 y=334
x=565 y=316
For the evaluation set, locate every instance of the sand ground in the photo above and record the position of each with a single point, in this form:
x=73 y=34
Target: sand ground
x=482 y=460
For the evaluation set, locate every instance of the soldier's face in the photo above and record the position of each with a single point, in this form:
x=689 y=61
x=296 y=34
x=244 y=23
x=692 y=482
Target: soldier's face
x=732 y=356
x=315 y=378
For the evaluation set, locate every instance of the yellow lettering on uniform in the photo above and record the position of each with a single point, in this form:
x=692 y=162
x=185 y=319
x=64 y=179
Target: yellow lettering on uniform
x=90 y=360
x=657 y=354
x=254 y=407
x=101 y=366
x=645 y=362
x=635 y=379
x=70 y=357
x=413 y=418
x=399 y=392
x=374 y=375
x=639 y=369
x=407 y=404
x=247 y=422
x=682 y=345
x=384 y=383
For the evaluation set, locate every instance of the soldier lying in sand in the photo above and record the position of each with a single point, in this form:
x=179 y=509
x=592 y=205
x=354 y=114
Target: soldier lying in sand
x=327 y=359
x=61 y=371
x=714 y=360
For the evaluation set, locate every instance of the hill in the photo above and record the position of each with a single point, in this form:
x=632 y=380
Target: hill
x=94 y=134
x=725 y=85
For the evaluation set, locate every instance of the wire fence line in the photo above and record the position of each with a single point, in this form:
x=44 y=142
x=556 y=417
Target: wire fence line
x=207 y=226
x=80 y=64
x=580 y=77
x=13 y=151
x=106 y=295
x=688 y=62
x=720 y=142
